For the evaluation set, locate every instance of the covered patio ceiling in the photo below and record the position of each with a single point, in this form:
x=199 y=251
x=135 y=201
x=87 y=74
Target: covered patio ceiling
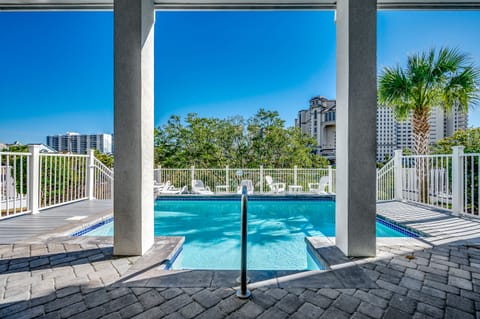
x=16 y=5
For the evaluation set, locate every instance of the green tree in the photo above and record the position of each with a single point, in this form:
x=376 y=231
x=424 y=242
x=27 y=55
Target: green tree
x=470 y=138
x=212 y=142
x=446 y=79
x=17 y=148
x=105 y=159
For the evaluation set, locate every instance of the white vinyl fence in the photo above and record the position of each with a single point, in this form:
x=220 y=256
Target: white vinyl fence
x=447 y=181
x=428 y=180
x=33 y=181
x=385 y=182
x=470 y=170
x=63 y=179
x=103 y=181
x=227 y=180
x=14 y=183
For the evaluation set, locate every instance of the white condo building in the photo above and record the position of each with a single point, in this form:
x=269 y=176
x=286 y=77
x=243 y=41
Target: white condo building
x=80 y=143
x=319 y=121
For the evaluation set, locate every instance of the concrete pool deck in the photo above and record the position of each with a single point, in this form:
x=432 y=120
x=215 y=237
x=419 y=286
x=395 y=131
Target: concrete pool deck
x=433 y=277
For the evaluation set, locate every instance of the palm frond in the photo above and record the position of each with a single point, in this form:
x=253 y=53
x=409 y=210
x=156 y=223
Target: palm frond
x=462 y=89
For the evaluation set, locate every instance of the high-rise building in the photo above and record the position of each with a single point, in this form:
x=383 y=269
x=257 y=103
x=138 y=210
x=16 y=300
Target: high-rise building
x=387 y=137
x=319 y=121
x=80 y=143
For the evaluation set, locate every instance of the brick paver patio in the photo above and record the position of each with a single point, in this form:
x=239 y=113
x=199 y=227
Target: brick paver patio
x=79 y=278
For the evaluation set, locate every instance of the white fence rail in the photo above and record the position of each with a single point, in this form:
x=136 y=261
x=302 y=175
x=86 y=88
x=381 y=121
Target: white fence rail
x=63 y=179
x=470 y=170
x=14 y=183
x=428 y=180
x=447 y=181
x=103 y=181
x=228 y=179
x=385 y=182
x=33 y=181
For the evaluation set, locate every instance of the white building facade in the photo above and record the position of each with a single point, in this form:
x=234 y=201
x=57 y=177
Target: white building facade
x=80 y=143
x=319 y=121
x=391 y=134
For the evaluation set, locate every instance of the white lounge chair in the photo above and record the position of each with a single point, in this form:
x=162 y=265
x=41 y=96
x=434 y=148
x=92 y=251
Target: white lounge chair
x=199 y=188
x=319 y=188
x=158 y=187
x=168 y=188
x=275 y=187
x=248 y=183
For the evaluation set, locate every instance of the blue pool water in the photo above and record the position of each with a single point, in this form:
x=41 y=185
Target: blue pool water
x=276 y=232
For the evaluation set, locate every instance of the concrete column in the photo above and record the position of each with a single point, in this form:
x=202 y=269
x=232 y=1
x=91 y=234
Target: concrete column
x=33 y=178
x=398 y=174
x=90 y=173
x=133 y=126
x=457 y=180
x=356 y=116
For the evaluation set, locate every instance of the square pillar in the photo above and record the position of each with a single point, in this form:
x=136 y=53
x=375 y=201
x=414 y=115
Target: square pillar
x=133 y=126
x=356 y=122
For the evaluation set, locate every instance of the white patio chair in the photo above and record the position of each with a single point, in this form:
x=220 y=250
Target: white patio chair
x=199 y=188
x=157 y=187
x=168 y=188
x=319 y=188
x=248 y=183
x=275 y=187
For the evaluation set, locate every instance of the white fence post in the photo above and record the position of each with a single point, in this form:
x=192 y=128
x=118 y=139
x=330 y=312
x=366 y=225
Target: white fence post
x=457 y=180
x=295 y=175
x=261 y=178
x=398 y=175
x=227 y=179
x=330 y=179
x=193 y=175
x=90 y=174
x=158 y=174
x=34 y=178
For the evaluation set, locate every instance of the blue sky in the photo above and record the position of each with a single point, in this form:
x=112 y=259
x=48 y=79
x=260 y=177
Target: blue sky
x=56 y=69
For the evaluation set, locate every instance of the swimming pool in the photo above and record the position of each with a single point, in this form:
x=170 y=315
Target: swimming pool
x=276 y=232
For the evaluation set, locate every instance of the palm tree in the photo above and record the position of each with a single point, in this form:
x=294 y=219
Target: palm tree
x=446 y=79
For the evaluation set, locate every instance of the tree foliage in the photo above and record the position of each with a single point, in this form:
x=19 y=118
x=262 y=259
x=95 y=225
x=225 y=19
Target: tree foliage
x=470 y=138
x=445 y=78
x=213 y=142
x=105 y=159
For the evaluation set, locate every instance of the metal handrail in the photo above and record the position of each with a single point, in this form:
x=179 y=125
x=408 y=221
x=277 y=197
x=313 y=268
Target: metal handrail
x=243 y=292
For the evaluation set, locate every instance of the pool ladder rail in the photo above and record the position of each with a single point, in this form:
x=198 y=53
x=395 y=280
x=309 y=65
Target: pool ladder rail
x=243 y=292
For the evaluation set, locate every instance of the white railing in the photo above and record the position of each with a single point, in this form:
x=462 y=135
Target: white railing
x=32 y=181
x=14 y=184
x=427 y=180
x=103 y=181
x=447 y=181
x=471 y=185
x=385 y=182
x=63 y=179
x=227 y=179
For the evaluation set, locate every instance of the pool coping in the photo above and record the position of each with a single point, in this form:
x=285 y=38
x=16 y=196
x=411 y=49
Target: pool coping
x=253 y=197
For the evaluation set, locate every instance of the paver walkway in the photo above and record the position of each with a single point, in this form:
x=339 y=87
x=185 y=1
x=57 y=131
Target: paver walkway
x=74 y=278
